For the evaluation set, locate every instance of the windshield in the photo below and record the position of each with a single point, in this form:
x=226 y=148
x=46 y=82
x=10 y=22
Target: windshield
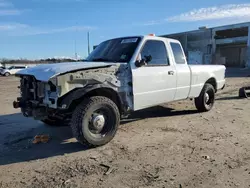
x=115 y=50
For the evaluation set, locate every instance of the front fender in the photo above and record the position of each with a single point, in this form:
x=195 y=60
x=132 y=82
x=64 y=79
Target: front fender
x=65 y=101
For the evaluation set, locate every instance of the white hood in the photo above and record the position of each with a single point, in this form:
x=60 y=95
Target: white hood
x=46 y=71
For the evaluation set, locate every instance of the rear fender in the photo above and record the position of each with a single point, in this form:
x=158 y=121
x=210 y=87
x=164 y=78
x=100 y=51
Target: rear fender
x=198 y=81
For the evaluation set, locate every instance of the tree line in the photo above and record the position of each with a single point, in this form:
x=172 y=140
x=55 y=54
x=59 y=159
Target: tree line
x=40 y=61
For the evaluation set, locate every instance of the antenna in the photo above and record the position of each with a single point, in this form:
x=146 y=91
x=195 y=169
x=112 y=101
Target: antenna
x=88 y=44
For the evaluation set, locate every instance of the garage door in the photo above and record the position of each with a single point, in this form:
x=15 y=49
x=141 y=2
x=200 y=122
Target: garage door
x=235 y=55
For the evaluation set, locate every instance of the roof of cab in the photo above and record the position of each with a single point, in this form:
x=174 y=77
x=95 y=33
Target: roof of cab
x=160 y=38
x=147 y=37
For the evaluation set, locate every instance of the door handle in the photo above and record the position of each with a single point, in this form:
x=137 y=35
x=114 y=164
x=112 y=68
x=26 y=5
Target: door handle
x=170 y=72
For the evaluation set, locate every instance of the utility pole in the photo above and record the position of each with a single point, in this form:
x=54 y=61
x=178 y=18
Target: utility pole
x=88 y=44
x=76 y=56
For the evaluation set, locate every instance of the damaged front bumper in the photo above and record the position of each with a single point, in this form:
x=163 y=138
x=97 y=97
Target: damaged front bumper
x=32 y=109
x=38 y=99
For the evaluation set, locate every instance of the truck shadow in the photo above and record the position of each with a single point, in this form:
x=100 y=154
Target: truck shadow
x=18 y=132
x=155 y=112
x=16 y=137
x=228 y=98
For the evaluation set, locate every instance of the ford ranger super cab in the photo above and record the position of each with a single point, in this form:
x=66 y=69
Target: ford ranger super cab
x=120 y=76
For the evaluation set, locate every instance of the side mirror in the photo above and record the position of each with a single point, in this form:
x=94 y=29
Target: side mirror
x=140 y=63
x=143 y=61
x=148 y=58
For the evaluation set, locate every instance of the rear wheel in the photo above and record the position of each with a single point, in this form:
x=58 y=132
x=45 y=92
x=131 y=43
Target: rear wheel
x=7 y=74
x=205 y=101
x=95 y=121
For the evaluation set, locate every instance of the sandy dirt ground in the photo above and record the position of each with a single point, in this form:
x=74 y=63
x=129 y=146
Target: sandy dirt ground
x=166 y=146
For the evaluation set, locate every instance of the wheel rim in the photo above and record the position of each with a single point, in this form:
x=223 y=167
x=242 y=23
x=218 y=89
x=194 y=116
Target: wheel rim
x=100 y=122
x=97 y=122
x=206 y=98
x=209 y=98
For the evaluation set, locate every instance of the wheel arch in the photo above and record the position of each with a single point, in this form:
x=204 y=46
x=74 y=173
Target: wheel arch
x=105 y=92
x=7 y=72
x=213 y=82
x=72 y=99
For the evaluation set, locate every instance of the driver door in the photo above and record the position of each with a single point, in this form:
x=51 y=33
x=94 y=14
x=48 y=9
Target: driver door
x=154 y=83
x=12 y=70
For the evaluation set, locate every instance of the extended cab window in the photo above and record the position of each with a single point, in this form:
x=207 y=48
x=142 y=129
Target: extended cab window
x=157 y=50
x=178 y=53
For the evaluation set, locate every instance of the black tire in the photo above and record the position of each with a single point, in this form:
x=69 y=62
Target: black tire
x=83 y=120
x=202 y=103
x=54 y=122
x=7 y=74
x=243 y=93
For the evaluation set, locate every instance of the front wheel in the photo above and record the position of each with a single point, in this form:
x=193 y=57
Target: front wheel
x=205 y=101
x=7 y=74
x=95 y=121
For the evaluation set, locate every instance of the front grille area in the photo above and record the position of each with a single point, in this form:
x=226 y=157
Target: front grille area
x=28 y=88
x=40 y=90
x=31 y=89
x=32 y=95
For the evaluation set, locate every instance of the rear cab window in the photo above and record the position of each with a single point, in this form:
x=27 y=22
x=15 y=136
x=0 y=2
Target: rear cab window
x=178 y=53
x=157 y=50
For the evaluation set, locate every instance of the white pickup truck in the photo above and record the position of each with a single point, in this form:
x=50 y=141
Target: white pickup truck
x=120 y=76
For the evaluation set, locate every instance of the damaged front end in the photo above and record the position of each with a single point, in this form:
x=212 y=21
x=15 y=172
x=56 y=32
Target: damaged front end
x=59 y=95
x=37 y=99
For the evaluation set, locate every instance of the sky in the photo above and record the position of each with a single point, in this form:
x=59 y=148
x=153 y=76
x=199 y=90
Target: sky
x=36 y=29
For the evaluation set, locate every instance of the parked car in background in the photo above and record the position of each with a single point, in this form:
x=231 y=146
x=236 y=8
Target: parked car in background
x=1 y=68
x=11 y=70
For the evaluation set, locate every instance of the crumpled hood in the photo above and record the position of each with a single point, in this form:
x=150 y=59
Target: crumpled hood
x=46 y=71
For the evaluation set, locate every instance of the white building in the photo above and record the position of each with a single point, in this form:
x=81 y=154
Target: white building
x=229 y=45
